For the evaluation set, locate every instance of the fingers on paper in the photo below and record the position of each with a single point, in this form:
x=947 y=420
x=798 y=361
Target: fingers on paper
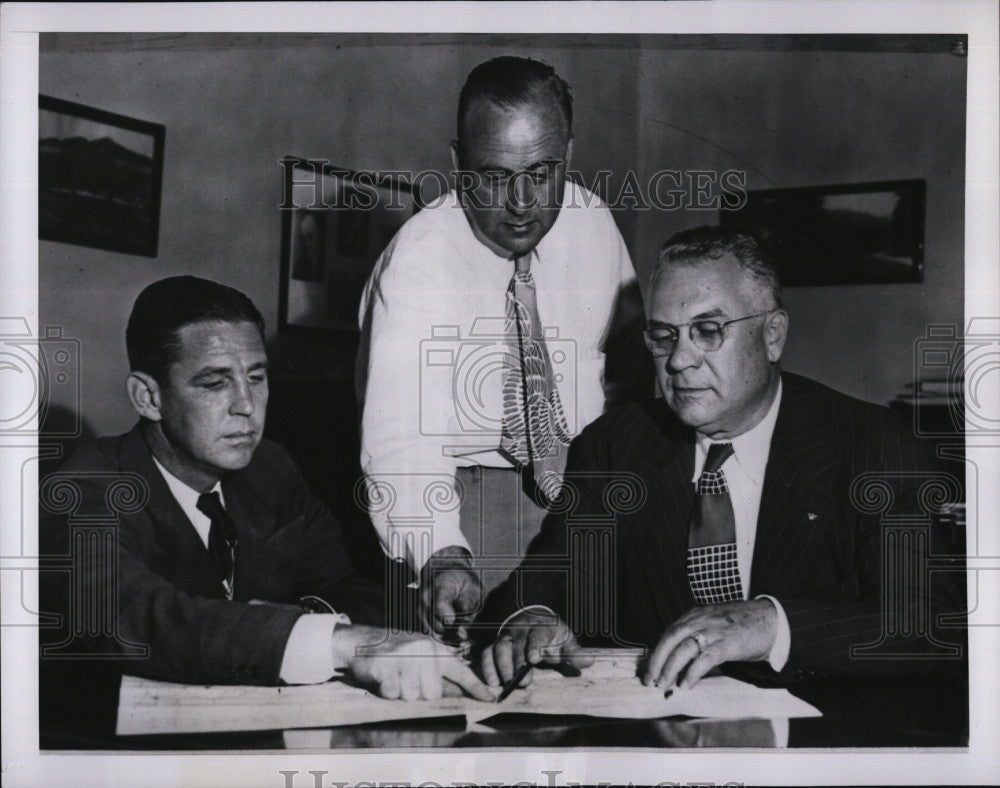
x=461 y=675
x=677 y=662
x=431 y=684
x=488 y=666
x=409 y=684
x=507 y=657
x=658 y=659
x=389 y=686
x=703 y=663
x=672 y=654
x=575 y=656
x=449 y=690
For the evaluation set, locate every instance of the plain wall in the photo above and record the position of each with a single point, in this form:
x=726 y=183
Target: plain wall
x=232 y=106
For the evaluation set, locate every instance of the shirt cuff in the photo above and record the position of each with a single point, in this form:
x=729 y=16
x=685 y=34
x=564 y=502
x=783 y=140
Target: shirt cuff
x=410 y=526
x=443 y=537
x=777 y=658
x=308 y=656
x=414 y=545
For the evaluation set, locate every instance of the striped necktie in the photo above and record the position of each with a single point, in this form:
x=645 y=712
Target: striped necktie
x=534 y=431
x=221 y=538
x=713 y=572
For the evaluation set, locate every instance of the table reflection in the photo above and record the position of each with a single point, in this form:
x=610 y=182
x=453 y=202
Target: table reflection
x=721 y=733
x=440 y=732
x=531 y=730
x=893 y=712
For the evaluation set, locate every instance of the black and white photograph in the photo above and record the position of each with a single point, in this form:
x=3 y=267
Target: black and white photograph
x=98 y=177
x=845 y=234
x=308 y=245
x=454 y=395
x=335 y=224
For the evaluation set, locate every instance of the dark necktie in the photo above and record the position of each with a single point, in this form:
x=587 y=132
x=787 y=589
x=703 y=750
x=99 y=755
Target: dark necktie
x=534 y=424
x=221 y=538
x=712 y=568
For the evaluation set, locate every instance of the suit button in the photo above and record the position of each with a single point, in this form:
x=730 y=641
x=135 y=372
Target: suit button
x=227 y=672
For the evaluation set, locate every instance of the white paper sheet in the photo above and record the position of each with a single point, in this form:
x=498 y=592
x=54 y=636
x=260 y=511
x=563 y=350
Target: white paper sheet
x=609 y=688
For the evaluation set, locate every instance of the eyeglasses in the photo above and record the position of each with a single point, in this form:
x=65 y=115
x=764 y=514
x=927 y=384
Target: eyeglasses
x=707 y=335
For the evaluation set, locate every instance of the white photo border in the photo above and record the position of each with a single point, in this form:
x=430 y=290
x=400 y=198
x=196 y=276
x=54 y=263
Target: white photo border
x=23 y=764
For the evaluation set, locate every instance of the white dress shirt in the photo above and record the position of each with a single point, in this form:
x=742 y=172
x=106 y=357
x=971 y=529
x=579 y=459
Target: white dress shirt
x=744 y=471
x=432 y=387
x=308 y=657
x=188 y=497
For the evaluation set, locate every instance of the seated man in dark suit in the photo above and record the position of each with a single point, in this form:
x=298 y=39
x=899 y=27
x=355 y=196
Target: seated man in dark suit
x=219 y=548
x=752 y=529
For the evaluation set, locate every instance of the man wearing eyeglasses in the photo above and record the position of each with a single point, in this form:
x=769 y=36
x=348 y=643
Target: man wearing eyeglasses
x=484 y=328
x=742 y=539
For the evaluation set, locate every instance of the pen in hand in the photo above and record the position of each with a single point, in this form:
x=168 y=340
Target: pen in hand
x=512 y=684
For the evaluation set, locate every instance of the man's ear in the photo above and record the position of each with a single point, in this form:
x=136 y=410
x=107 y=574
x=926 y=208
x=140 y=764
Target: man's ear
x=775 y=333
x=454 y=156
x=569 y=151
x=144 y=394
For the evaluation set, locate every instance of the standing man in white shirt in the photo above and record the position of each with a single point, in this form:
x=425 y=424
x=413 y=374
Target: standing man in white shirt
x=752 y=530
x=484 y=325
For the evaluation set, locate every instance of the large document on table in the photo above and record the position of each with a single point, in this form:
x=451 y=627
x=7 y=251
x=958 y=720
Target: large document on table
x=610 y=688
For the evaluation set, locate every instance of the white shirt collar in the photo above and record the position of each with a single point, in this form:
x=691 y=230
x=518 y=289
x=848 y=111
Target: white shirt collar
x=751 y=449
x=187 y=497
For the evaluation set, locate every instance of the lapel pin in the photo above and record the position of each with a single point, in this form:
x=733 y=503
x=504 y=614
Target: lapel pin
x=811 y=515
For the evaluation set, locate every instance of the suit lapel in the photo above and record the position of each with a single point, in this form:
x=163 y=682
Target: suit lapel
x=193 y=569
x=256 y=523
x=794 y=503
x=662 y=525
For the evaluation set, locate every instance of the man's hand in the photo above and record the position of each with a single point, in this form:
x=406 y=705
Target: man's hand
x=405 y=665
x=708 y=636
x=450 y=593
x=531 y=636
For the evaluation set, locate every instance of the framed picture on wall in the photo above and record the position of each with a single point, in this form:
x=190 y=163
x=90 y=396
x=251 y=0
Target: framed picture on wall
x=334 y=225
x=99 y=178
x=864 y=233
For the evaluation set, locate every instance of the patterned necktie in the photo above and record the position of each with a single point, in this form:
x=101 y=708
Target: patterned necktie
x=712 y=568
x=221 y=538
x=534 y=425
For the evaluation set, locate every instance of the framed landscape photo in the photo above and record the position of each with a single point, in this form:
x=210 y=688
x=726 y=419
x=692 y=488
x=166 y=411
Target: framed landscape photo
x=863 y=233
x=335 y=223
x=99 y=178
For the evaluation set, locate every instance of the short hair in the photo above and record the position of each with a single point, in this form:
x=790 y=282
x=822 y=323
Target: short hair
x=752 y=251
x=163 y=308
x=509 y=81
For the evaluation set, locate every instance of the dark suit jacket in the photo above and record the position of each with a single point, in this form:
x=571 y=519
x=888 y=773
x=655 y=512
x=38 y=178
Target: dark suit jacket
x=168 y=594
x=815 y=551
